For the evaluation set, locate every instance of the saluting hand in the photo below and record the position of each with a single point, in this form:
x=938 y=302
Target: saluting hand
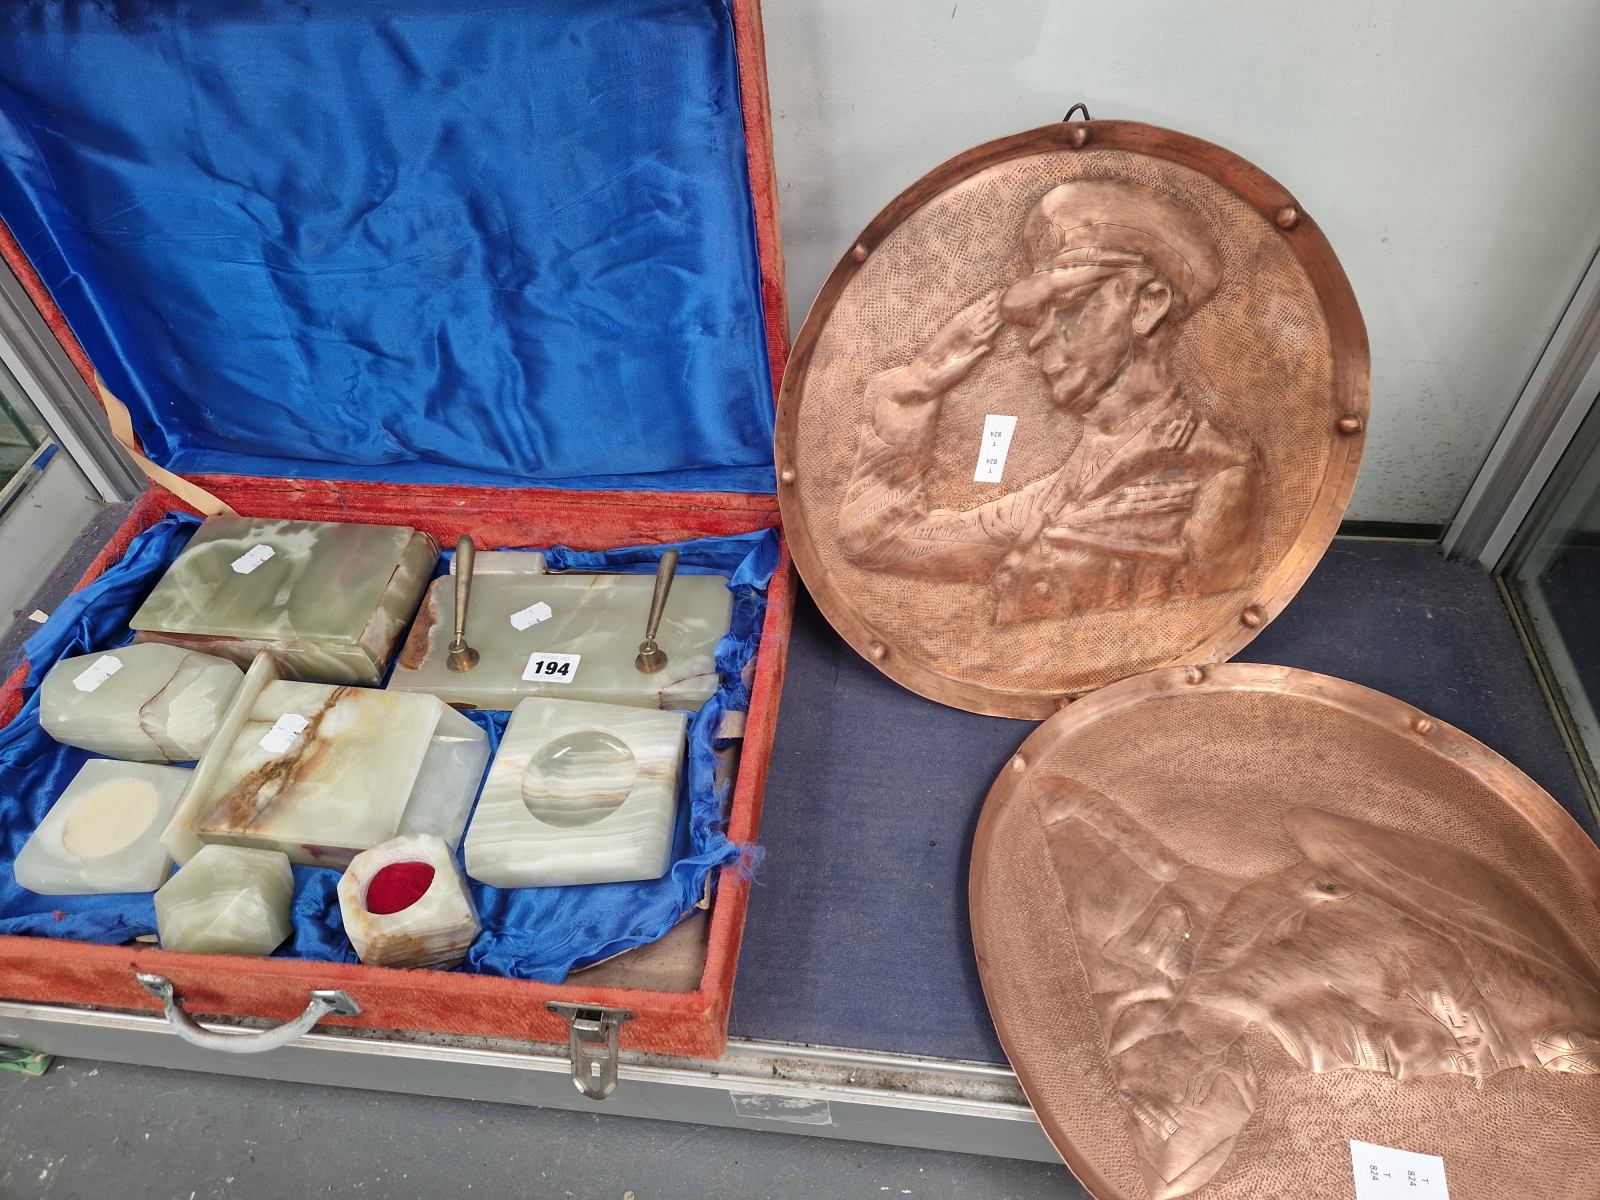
x=952 y=352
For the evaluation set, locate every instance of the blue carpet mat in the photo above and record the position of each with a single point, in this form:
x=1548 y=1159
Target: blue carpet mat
x=857 y=933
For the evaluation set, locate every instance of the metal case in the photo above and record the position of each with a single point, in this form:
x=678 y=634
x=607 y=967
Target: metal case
x=690 y=1023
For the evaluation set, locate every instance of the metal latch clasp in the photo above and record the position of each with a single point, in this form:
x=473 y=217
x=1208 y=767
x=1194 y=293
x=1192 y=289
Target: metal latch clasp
x=592 y=1034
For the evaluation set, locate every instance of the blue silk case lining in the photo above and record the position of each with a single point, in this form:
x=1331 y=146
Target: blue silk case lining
x=423 y=241
x=530 y=933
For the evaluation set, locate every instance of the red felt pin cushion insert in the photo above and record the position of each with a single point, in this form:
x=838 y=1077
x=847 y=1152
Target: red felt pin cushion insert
x=398 y=886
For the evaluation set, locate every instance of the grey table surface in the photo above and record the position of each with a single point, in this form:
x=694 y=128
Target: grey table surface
x=96 y=1131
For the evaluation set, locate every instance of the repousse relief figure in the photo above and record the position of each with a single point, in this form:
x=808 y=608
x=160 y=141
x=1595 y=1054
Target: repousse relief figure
x=1378 y=951
x=1157 y=500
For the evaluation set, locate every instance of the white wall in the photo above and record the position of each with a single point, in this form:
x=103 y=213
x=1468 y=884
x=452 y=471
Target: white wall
x=1450 y=149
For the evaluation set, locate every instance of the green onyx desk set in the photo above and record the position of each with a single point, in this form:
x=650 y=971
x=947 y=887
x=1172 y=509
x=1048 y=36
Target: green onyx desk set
x=227 y=900
x=526 y=632
x=330 y=600
x=321 y=772
x=143 y=703
x=580 y=792
x=102 y=835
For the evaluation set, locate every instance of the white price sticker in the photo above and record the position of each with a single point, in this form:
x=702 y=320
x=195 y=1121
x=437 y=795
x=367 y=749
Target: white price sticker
x=531 y=616
x=992 y=451
x=100 y=670
x=283 y=733
x=1383 y=1173
x=551 y=668
x=251 y=559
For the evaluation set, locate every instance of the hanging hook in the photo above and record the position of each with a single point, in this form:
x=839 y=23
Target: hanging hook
x=1074 y=109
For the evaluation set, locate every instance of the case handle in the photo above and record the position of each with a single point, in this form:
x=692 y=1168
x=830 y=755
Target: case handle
x=323 y=1003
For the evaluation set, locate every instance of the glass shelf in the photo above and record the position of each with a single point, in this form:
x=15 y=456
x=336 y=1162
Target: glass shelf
x=1551 y=581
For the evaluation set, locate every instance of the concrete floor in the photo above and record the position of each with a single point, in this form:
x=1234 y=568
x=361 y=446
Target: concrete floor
x=105 y=1131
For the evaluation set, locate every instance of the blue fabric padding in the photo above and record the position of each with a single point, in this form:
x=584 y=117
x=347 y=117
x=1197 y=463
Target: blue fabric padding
x=748 y=559
x=35 y=769
x=532 y=933
x=426 y=241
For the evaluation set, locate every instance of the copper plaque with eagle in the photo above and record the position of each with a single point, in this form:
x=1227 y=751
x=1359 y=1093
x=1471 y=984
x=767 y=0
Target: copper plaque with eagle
x=1230 y=921
x=1080 y=403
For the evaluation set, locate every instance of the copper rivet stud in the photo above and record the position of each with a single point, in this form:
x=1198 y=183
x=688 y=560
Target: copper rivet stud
x=1286 y=217
x=1252 y=616
x=1198 y=674
x=1350 y=424
x=1018 y=763
x=878 y=651
x=787 y=474
x=859 y=253
x=1421 y=724
x=1077 y=137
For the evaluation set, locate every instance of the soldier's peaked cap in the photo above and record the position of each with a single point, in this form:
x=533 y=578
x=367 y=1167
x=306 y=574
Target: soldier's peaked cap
x=1110 y=222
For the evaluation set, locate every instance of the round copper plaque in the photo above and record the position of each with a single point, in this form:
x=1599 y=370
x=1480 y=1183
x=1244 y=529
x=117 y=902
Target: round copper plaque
x=1230 y=920
x=1080 y=403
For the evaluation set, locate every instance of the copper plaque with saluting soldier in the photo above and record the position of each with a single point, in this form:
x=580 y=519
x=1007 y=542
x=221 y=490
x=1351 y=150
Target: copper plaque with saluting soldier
x=1080 y=403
